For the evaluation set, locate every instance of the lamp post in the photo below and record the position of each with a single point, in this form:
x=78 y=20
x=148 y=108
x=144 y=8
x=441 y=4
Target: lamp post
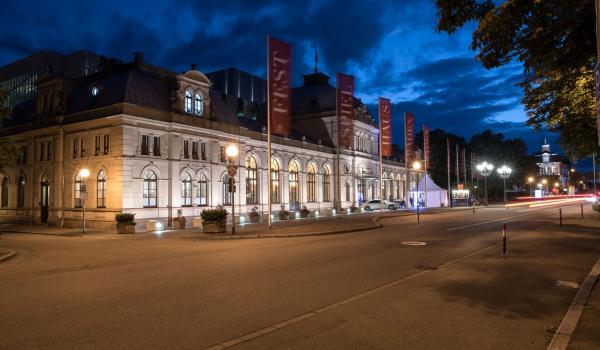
x=84 y=173
x=232 y=152
x=530 y=181
x=504 y=173
x=416 y=167
x=485 y=169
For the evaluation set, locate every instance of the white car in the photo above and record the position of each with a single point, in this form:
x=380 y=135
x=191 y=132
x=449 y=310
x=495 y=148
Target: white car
x=375 y=204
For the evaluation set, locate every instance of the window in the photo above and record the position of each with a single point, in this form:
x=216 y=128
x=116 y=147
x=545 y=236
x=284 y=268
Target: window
x=327 y=185
x=188 y=102
x=202 y=191
x=156 y=146
x=203 y=150
x=4 y=192
x=198 y=104
x=186 y=190
x=145 y=145
x=82 y=148
x=251 y=181
x=293 y=182
x=348 y=191
x=48 y=148
x=186 y=147
x=226 y=195
x=42 y=150
x=101 y=190
x=361 y=190
x=75 y=147
x=78 y=189
x=275 y=194
x=21 y=191
x=311 y=184
x=106 y=144
x=150 y=189
x=97 y=146
x=195 y=150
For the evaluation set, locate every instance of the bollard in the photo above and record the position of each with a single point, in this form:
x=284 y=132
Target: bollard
x=504 y=238
x=473 y=209
x=560 y=216
x=582 y=211
x=418 y=216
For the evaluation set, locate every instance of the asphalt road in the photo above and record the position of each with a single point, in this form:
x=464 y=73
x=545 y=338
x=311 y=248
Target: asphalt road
x=364 y=290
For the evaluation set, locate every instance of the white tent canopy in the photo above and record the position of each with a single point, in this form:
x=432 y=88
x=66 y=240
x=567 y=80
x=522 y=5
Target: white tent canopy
x=429 y=193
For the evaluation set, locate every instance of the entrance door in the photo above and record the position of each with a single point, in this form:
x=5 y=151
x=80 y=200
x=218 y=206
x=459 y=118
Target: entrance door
x=45 y=201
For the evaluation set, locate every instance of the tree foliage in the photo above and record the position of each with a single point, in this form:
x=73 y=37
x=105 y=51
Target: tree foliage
x=555 y=42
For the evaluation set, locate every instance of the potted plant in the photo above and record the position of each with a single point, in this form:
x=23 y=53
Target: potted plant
x=254 y=216
x=283 y=214
x=125 y=222
x=179 y=222
x=304 y=212
x=214 y=220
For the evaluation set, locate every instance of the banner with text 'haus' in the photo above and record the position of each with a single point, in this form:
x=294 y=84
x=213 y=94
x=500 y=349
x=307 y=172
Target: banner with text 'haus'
x=279 y=75
x=409 y=138
x=345 y=110
x=385 y=126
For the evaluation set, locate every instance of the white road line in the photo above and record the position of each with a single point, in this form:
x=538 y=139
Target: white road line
x=486 y=222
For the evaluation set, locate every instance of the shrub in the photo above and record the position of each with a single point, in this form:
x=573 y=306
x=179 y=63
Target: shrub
x=214 y=215
x=254 y=215
x=304 y=211
x=125 y=218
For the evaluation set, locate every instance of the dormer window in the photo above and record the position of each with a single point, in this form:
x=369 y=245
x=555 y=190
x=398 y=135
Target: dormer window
x=188 y=102
x=198 y=104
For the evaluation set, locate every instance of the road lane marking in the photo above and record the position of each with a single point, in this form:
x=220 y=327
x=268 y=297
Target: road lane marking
x=486 y=222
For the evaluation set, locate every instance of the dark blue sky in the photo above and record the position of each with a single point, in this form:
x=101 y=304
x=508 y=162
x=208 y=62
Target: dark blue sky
x=390 y=46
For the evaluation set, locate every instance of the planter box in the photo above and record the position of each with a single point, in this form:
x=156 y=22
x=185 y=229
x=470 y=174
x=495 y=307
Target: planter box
x=254 y=218
x=179 y=223
x=126 y=228
x=197 y=221
x=213 y=227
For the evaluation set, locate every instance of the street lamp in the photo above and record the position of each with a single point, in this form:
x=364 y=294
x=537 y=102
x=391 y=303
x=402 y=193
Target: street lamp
x=504 y=173
x=232 y=152
x=83 y=173
x=530 y=181
x=416 y=167
x=485 y=169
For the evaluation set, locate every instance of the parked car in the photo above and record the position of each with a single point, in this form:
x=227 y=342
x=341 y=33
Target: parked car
x=375 y=204
x=400 y=203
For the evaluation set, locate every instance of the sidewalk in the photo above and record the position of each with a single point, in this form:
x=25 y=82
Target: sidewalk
x=587 y=332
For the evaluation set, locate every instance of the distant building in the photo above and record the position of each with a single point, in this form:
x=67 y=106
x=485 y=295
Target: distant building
x=548 y=167
x=19 y=78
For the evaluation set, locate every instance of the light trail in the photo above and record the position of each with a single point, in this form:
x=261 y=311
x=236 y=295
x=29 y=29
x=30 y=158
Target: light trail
x=564 y=201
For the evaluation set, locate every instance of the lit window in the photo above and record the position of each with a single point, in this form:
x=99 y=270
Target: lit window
x=101 y=189
x=202 y=191
x=198 y=104
x=188 y=102
x=293 y=183
x=348 y=191
x=186 y=190
x=311 y=184
x=226 y=195
x=326 y=184
x=78 y=187
x=150 y=191
x=251 y=183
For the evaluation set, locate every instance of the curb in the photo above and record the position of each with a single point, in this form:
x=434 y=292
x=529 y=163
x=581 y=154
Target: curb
x=11 y=254
x=563 y=334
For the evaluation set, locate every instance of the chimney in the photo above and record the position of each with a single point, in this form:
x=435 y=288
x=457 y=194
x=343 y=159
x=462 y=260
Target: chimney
x=193 y=66
x=138 y=57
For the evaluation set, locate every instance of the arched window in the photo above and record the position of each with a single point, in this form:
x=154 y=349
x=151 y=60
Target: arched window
x=275 y=190
x=5 y=192
x=101 y=189
x=251 y=181
x=150 y=189
x=188 y=102
x=226 y=195
x=186 y=190
x=311 y=184
x=326 y=184
x=78 y=187
x=202 y=191
x=293 y=183
x=348 y=191
x=21 y=191
x=198 y=104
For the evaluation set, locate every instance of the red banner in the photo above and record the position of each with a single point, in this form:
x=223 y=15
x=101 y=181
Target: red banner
x=385 y=126
x=409 y=138
x=426 y=145
x=279 y=75
x=345 y=110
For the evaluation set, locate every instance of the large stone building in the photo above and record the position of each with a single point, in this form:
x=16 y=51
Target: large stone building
x=154 y=143
x=552 y=168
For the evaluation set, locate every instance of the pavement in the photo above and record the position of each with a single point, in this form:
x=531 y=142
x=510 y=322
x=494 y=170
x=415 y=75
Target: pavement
x=587 y=332
x=360 y=290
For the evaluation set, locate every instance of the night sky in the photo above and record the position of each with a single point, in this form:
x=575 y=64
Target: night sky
x=390 y=46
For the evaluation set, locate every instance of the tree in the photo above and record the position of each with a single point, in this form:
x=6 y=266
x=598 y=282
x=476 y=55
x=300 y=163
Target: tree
x=555 y=42
x=8 y=150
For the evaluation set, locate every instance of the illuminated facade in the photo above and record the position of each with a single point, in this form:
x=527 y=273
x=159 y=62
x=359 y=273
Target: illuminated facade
x=548 y=167
x=154 y=143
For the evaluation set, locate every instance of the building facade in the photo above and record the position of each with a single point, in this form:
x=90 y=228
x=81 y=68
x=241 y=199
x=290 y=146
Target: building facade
x=552 y=168
x=154 y=144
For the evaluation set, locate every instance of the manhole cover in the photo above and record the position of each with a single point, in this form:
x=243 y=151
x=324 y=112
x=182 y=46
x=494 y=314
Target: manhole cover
x=414 y=243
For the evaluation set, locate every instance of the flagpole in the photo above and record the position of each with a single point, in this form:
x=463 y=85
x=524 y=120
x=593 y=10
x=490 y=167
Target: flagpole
x=457 y=165
x=425 y=159
x=269 y=180
x=448 y=161
x=337 y=118
x=380 y=160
